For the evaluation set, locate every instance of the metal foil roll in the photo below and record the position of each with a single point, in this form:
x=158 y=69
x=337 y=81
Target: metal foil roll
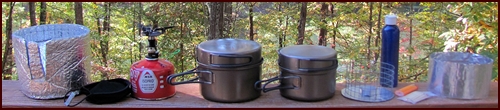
x=51 y=59
x=460 y=75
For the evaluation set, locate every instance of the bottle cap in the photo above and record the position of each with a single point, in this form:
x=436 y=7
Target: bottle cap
x=390 y=19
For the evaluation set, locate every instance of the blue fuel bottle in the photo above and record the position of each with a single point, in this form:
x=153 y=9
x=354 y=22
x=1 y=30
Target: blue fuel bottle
x=390 y=52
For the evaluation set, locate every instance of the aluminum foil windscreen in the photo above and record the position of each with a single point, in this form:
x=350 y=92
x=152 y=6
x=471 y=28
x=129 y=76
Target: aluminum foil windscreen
x=460 y=75
x=51 y=59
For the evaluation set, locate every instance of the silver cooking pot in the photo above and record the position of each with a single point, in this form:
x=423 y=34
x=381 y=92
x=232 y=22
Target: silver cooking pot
x=227 y=70
x=226 y=53
x=307 y=73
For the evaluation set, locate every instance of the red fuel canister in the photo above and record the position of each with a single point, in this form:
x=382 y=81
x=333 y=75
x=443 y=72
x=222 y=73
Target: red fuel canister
x=148 y=76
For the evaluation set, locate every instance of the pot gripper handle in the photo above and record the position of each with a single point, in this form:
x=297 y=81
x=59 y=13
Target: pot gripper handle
x=171 y=78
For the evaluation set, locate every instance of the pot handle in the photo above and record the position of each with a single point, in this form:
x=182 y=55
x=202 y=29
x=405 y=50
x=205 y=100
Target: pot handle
x=333 y=66
x=264 y=89
x=231 y=56
x=170 y=78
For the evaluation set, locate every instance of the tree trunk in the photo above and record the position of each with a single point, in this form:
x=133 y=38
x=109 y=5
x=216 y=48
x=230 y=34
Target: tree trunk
x=286 y=28
x=335 y=35
x=250 y=18
x=183 y=25
x=228 y=10
x=322 y=31
x=280 y=39
x=379 y=27
x=32 y=9
x=99 y=33
x=78 y=13
x=105 y=42
x=411 y=29
x=43 y=13
x=331 y=7
x=105 y=23
x=7 y=55
x=139 y=31
x=302 y=23
x=370 y=23
x=99 y=25
x=216 y=20
x=181 y=53
x=105 y=29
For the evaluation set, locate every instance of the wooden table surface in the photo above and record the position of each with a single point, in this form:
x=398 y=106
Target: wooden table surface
x=188 y=96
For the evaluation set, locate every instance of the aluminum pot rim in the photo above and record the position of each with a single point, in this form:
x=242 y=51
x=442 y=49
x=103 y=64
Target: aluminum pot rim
x=305 y=58
x=488 y=60
x=232 y=68
x=234 y=56
x=297 y=72
x=284 y=60
x=208 y=51
x=253 y=50
x=286 y=64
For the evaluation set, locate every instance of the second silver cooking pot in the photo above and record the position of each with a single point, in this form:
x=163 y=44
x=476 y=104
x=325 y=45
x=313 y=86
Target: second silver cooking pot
x=227 y=70
x=307 y=73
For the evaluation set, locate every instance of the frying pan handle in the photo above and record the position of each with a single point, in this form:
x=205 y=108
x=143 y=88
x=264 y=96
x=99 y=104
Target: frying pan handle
x=264 y=89
x=170 y=78
x=333 y=66
x=69 y=97
x=231 y=56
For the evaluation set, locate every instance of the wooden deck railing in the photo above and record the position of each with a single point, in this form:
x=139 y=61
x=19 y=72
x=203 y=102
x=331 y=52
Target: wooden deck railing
x=188 y=96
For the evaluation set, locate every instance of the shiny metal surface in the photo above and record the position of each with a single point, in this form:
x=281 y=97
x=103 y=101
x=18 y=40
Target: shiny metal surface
x=51 y=59
x=227 y=70
x=231 y=84
x=459 y=75
x=305 y=57
x=228 y=85
x=308 y=73
x=228 y=51
x=308 y=52
x=316 y=86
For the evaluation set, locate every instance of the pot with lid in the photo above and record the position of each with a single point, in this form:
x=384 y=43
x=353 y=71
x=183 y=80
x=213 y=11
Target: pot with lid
x=226 y=53
x=307 y=73
x=227 y=70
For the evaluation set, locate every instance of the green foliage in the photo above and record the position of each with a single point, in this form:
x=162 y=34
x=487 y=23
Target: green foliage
x=470 y=26
x=477 y=31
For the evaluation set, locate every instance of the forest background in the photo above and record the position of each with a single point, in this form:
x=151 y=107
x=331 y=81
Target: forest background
x=353 y=29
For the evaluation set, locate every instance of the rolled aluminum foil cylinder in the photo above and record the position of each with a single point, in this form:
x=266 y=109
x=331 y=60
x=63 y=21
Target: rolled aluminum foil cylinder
x=51 y=59
x=460 y=75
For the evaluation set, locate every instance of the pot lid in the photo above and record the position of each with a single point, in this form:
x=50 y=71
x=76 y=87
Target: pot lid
x=229 y=46
x=308 y=52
